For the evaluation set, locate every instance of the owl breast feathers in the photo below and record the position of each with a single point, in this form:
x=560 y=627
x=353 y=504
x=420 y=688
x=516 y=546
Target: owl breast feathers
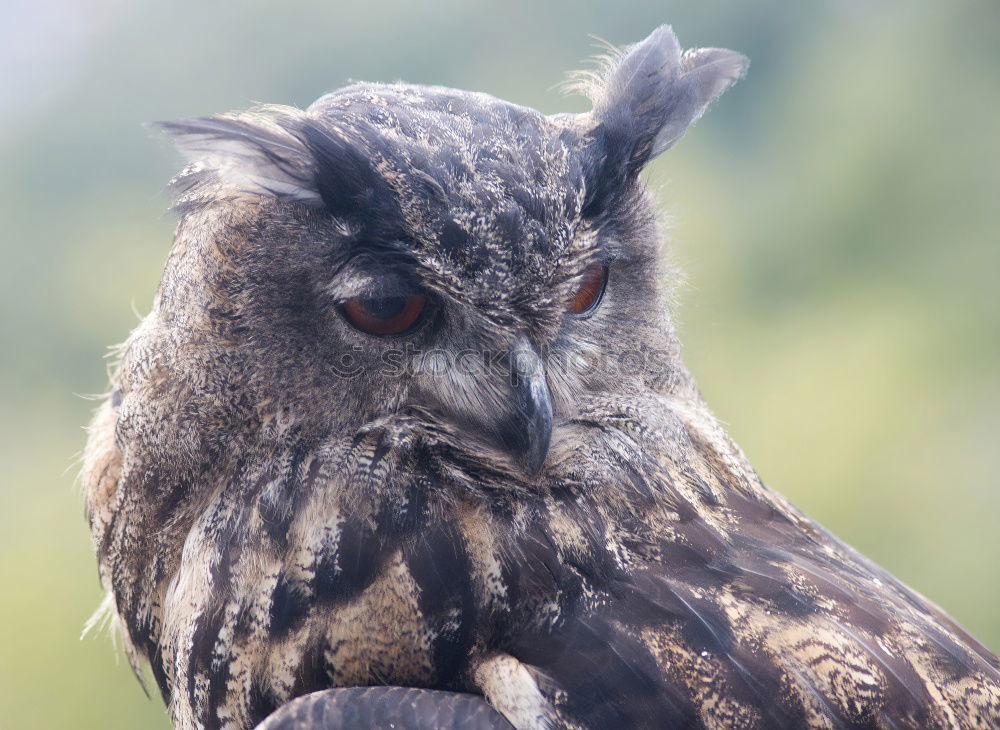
x=408 y=416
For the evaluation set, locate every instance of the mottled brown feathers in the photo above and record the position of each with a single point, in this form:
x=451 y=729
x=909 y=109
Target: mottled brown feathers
x=510 y=501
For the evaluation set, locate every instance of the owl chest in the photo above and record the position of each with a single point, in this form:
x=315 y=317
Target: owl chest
x=354 y=603
x=378 y=610
x=383 y=635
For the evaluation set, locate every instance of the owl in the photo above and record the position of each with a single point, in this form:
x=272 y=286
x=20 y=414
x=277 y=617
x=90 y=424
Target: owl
x=407 y=441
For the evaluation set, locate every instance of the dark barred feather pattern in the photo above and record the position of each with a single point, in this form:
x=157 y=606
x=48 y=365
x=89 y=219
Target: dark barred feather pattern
x=277 y=513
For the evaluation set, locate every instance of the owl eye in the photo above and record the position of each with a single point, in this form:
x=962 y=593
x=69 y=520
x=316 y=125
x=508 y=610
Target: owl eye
x=384 y=315
x=588 y=296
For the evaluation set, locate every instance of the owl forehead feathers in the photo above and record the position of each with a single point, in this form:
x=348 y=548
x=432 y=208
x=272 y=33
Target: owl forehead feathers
x=476 y=188
x=484 y=185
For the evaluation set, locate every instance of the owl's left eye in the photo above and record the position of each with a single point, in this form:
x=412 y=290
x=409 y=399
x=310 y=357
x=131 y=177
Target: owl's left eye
x=588 y=297
x=384 y=315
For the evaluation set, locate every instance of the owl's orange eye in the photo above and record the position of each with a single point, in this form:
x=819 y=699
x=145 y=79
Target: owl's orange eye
x=384 y=315
x=588 y=296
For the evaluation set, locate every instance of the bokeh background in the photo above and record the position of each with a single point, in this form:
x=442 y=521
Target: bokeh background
x=835 y=213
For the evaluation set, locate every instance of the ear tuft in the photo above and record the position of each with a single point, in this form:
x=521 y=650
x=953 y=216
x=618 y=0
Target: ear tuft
x=705 y=74
x=648 y=96
x=259 y=151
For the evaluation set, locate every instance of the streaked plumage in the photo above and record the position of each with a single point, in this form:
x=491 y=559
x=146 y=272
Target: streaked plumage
x=282 y=504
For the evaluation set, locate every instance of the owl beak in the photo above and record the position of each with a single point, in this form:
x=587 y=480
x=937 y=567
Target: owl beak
x=526 y=433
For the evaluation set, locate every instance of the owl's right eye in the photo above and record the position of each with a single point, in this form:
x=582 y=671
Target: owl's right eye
x=588 y=297
x=384 y=316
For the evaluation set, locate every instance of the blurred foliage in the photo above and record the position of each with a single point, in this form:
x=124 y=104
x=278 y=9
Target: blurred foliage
x=835 y=215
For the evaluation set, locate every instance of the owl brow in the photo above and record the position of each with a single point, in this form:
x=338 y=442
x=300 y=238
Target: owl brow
x=590 y=247
x=368 y=275
x=611 y=249
x=361 y=284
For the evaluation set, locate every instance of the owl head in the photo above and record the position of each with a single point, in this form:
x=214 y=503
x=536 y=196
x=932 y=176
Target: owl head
x=438 y=264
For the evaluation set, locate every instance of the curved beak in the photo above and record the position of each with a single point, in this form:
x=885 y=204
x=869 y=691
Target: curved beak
x=525 y=434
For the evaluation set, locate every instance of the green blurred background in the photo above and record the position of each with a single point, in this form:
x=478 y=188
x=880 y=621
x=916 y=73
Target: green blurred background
x=835 y=214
